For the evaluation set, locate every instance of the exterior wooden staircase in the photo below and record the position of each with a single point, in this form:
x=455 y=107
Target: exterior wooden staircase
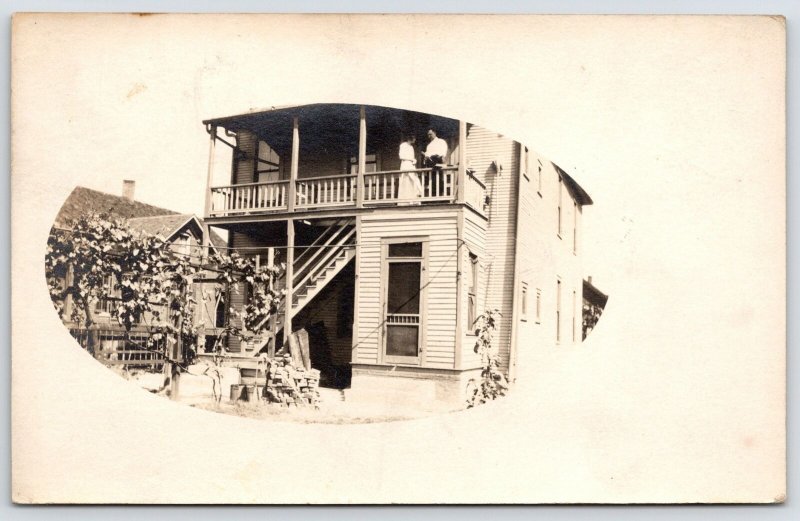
x=314 y=269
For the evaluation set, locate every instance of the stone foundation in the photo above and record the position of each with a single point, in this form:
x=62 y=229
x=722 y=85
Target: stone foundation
x=410 y=387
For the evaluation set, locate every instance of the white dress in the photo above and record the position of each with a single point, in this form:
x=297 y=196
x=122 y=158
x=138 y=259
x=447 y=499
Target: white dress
x=410 y=187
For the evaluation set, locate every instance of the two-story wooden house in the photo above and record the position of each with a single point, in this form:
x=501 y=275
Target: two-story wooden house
x=389 y=283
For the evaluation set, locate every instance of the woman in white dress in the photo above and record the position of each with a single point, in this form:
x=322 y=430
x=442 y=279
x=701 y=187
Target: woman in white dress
x=410 y=187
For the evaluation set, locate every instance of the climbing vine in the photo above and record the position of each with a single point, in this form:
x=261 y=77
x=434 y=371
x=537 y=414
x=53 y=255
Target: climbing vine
x=492 y=383
x=149 y=284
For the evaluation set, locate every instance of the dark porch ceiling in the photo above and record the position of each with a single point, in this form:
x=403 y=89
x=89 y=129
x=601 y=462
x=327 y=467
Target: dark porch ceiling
x=335 y=126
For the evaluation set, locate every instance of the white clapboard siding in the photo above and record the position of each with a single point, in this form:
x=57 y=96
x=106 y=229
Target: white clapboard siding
x=545 y=257
x=484 y=148
x=438 y=315
x=475 y=240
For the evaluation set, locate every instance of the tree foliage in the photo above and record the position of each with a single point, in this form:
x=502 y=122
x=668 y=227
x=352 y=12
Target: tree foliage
x=591 y=315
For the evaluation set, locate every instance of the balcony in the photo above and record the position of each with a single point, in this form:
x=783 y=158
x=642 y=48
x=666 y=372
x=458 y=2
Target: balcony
x=341 y=192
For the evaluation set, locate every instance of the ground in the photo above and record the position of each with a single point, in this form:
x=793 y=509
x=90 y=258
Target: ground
x=196 y=391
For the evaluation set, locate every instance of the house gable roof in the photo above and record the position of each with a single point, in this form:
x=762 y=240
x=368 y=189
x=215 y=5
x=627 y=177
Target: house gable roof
x=594 y=295
x=141 y=216
x=83 y=200
x=577 y=192
x=167 y=226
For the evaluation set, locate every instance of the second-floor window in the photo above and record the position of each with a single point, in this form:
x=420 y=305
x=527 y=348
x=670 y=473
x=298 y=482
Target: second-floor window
x=268 y=164
x=575 y=227
x=370 y=165
x=560 y=211
x=539 y=178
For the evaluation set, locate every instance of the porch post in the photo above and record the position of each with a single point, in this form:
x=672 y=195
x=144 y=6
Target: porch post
x=209 y=179
x=273 y=321
x=69 y=280
x=462 y=162
x=295 y=163
x=287 y=302
x=362 y=157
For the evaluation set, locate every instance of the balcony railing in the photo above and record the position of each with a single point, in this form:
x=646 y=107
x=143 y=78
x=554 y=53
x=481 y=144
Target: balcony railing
x=380 y=188
x=475 y=192
x=249 y=198
x=385 y=187
x=315 y=192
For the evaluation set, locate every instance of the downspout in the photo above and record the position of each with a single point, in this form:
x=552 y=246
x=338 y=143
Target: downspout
x=512 y=356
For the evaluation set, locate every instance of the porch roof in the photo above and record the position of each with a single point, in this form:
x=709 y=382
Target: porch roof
x=328 y=123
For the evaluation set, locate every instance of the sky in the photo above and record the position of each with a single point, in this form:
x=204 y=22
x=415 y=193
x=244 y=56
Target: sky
x=132 y=107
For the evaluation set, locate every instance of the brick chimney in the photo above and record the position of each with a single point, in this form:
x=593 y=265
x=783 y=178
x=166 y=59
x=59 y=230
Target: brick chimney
x=128 y=187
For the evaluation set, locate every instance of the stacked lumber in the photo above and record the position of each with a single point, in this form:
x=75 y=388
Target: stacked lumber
x=278 y=380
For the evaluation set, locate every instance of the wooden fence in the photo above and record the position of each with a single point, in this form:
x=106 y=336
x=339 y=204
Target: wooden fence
x=117 y=347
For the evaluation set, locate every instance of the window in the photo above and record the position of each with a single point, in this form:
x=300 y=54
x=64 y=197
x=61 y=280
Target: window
x=268 y=164
x=574 y=304
x=539 y=178
x=370 y=164
x=105 y=305
x=558 y=311
x=575 y=228
x=524 y=302
x=526 y=162
x=560 y=191
x=404 y=265
x=219 y=307
x=538 y=306
x=472 y=291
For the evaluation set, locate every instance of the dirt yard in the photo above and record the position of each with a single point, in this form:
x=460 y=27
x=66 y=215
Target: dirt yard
x=196 y=391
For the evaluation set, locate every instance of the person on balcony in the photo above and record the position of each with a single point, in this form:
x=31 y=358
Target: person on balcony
x=436 y=152
x=410 y=187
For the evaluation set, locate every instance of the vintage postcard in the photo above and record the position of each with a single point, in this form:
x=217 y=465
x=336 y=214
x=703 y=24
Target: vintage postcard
x=416 y=259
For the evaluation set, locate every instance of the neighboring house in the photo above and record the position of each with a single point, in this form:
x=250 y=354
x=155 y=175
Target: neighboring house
x=388 y=285
x=183 y=232
x=594 y=302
